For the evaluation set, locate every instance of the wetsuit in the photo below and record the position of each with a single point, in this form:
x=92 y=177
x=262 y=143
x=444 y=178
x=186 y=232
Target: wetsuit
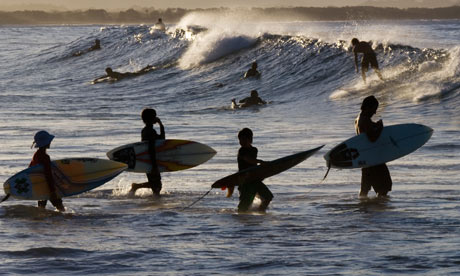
x=248 y=191
x=377 y=177
x=150 y=135
x=40 y=157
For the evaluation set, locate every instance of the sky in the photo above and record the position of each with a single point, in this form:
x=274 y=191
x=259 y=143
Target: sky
x=113 y=5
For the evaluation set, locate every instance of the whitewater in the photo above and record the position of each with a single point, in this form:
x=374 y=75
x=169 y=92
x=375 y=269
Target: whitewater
x=314 y=94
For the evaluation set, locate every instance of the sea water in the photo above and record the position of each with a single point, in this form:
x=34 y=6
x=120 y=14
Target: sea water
x=314 y=94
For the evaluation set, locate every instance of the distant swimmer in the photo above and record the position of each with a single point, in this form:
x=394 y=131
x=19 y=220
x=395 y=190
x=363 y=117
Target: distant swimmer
x=116 y=76
x=160 y=25
x=96 y=46
x=254 y=99
x=252 y=72
x=369 y=57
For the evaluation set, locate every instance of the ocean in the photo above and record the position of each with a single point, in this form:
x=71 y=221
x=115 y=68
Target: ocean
x=314 y=94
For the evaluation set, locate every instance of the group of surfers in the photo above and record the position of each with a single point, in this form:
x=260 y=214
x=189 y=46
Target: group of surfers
x=377 y=177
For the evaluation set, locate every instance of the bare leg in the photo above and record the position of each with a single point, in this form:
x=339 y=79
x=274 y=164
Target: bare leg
x=263 y=206
x=363 y=193
x=377 y=71
x=363 y=73
x=136 y=186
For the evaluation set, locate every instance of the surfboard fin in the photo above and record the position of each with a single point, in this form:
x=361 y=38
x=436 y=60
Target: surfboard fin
x=5 y=198
x=328 y=169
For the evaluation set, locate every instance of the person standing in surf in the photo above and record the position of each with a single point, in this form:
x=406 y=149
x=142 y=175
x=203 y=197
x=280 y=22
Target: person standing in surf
x=149 y=134
x=42 y=141
x=369 y=58
x=247 y=157
x=377 y=177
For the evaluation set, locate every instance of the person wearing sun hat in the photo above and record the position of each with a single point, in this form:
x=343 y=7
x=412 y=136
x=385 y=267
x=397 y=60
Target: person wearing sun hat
x=42 y=141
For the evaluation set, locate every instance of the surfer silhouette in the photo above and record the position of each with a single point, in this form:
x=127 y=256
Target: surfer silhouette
x=254 y=99
x=160 y=25
x=377 y=177
x=369 y=58
x=42 y=141
x=149 y=134
x=96 y=46
x=110 y=74
x=247 y=157
x=252 y=72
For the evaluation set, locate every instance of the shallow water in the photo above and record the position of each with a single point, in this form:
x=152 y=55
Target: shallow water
x=311 y=227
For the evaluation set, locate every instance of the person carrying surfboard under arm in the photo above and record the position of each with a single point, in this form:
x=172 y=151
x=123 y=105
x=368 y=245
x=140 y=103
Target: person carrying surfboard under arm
x=149 y=134
x=247 y=157
x=377 y=177
x=42 y=141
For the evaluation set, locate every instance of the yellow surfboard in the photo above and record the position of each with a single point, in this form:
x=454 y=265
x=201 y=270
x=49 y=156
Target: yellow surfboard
x=71 y=176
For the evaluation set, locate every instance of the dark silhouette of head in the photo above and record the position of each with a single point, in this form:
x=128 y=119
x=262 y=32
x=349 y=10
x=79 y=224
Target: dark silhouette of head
x=370 y=104
x=108 y=70
x=254 y=65
x=42 y=139
x=245 y=133
x=354 y=41
x=148 y=115
x=254 y=93
x=160 y=20
x=97 y=42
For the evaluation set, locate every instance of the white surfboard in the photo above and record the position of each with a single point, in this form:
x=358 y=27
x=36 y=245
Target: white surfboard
x=394 y=142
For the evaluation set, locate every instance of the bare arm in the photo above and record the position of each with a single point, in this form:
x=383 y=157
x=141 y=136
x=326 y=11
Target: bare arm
x=49 y=178
x=162 y=129
x=372 y=130
x=252 y=161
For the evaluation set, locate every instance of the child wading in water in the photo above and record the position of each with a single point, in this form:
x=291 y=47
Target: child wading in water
x=247 y=157
x=42 y=141
x=148 y=134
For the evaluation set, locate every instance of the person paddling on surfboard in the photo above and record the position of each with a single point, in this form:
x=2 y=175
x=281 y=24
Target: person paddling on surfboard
x=252 y=72
x=96 y=46
x=369 y=57
x=247 y=157
x=118 y=76
x=149 y=134
x=42 y=141
x=254 y=99
x=377 y=177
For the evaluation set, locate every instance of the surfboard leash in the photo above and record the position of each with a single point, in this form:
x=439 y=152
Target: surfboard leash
x=322 y=180
x=200 y=198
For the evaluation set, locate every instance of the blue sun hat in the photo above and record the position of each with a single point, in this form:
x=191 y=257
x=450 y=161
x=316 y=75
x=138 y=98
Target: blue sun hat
x=42 y=139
